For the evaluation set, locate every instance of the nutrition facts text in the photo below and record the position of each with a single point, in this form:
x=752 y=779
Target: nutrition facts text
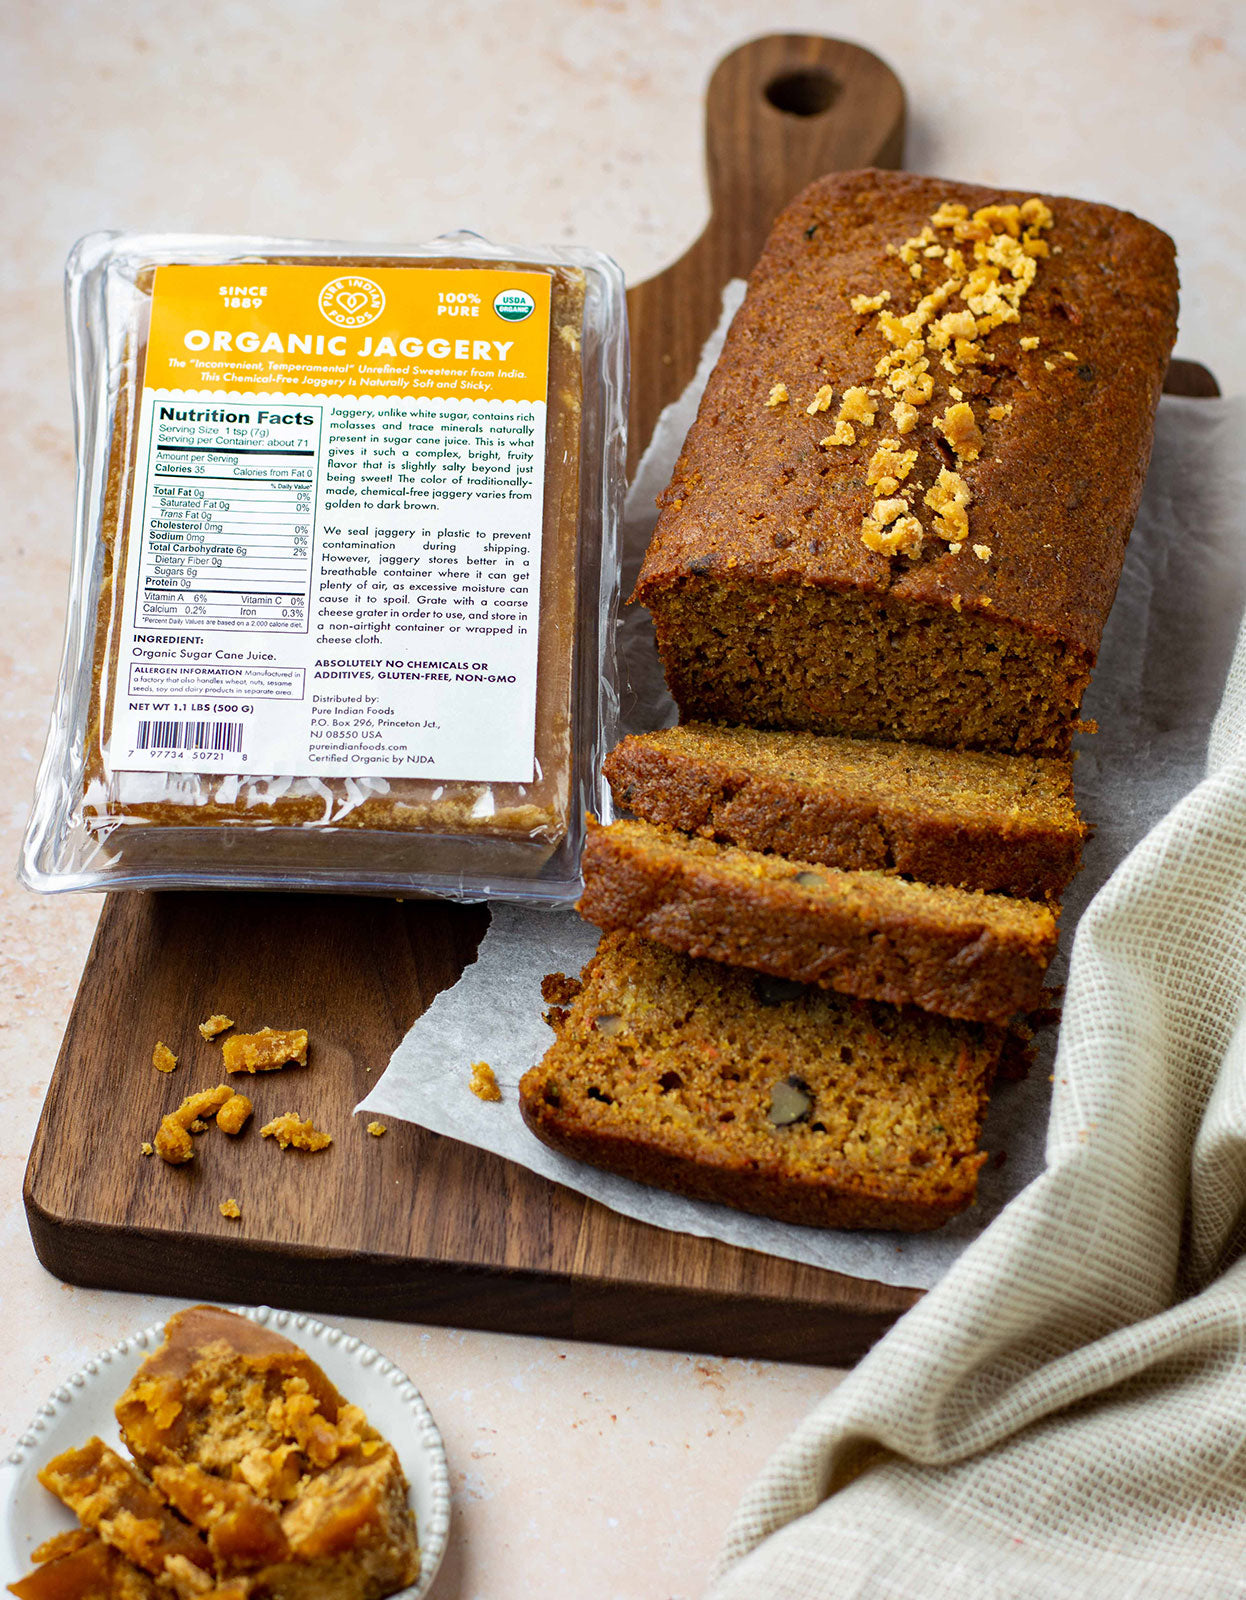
x=229 y=517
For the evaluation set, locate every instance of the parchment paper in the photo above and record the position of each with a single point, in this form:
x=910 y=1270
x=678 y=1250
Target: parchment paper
x=1161 y=668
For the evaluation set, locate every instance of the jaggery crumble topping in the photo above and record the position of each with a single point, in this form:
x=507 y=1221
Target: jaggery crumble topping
x=989 y=265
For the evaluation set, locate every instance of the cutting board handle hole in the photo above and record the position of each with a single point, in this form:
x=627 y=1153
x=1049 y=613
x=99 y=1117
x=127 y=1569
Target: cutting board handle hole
x=802 y=94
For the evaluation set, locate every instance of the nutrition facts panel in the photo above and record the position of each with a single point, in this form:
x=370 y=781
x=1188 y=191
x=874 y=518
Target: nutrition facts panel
x=228 y=516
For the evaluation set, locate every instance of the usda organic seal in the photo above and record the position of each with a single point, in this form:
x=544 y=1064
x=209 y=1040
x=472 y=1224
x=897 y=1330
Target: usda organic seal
x=514 y=305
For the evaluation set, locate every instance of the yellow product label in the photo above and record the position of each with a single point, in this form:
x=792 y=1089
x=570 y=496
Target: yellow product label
x=334 y=553
x=430 y=331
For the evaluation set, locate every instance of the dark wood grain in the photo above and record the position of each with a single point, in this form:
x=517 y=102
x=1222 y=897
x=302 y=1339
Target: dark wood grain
x=413 y=1225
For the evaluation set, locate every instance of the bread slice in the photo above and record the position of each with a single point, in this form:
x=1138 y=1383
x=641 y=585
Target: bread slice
x=773 y=1097
x=1004 y=824
x=957 y=952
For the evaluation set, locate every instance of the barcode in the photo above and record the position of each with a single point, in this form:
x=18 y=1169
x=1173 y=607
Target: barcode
x=189 y=735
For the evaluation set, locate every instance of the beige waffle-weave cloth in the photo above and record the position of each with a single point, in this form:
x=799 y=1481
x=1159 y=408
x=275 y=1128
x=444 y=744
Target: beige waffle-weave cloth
x=1064 y=1414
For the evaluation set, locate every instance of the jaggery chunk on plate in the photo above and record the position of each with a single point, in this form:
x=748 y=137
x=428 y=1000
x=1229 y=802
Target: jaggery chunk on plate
x=252 y=1477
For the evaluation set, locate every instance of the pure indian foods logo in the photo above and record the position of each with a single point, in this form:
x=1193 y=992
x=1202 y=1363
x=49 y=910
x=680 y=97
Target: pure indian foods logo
x=352 y=301
x=514 y=305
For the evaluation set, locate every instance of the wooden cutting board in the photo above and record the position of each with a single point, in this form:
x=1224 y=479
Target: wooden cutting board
x=413 y=1225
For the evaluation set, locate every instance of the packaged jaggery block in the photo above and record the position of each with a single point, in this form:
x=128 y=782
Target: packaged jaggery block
x=345 y=564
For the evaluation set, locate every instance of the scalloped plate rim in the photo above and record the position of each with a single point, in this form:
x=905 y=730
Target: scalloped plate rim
x=420 y=1448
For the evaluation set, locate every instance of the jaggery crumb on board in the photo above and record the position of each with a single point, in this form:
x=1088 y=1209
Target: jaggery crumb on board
x=232 y=1116
x=162 y=1058
x=173 y=1141
x=777 y=395
x=230 y=1208
x=217 y=1023
x=266 y=1050
x=148 y=1148
x=483 y=1083
x=290 y=1129
x=376 y=1129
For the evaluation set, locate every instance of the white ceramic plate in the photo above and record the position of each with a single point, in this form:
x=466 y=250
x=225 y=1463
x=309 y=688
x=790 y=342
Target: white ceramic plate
x=84 y=1403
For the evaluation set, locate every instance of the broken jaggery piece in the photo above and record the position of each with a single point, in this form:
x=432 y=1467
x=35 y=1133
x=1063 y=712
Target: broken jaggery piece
x=376 y=1129
x=216 y=1023
x=483 y=1083
x=266 y=1050
x=242 y=1529
x=230 y=1208
x=85 y=1570
x=62 y=1544
x=290 y=1129
x=205 y=1398
x=285 y=1487
x=234 y=1421
x=111 y=1499
x=162 y=1058
x=173 y=1141
x=232 y=1116
x=348 y=1502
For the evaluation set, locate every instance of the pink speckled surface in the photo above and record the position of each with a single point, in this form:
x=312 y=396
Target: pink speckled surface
x=578 y=1470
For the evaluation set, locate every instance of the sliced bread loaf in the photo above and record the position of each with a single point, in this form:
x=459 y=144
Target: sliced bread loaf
x=956 y=952
x=1004 y=824
x=772 y=1097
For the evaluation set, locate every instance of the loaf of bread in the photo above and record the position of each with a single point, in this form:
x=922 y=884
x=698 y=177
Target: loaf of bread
x=1004 y=824
x=903 y=507
x=769 y=1096
x=956 y=952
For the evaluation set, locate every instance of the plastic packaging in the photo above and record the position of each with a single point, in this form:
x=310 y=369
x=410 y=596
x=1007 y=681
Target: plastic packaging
x=345 y=573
